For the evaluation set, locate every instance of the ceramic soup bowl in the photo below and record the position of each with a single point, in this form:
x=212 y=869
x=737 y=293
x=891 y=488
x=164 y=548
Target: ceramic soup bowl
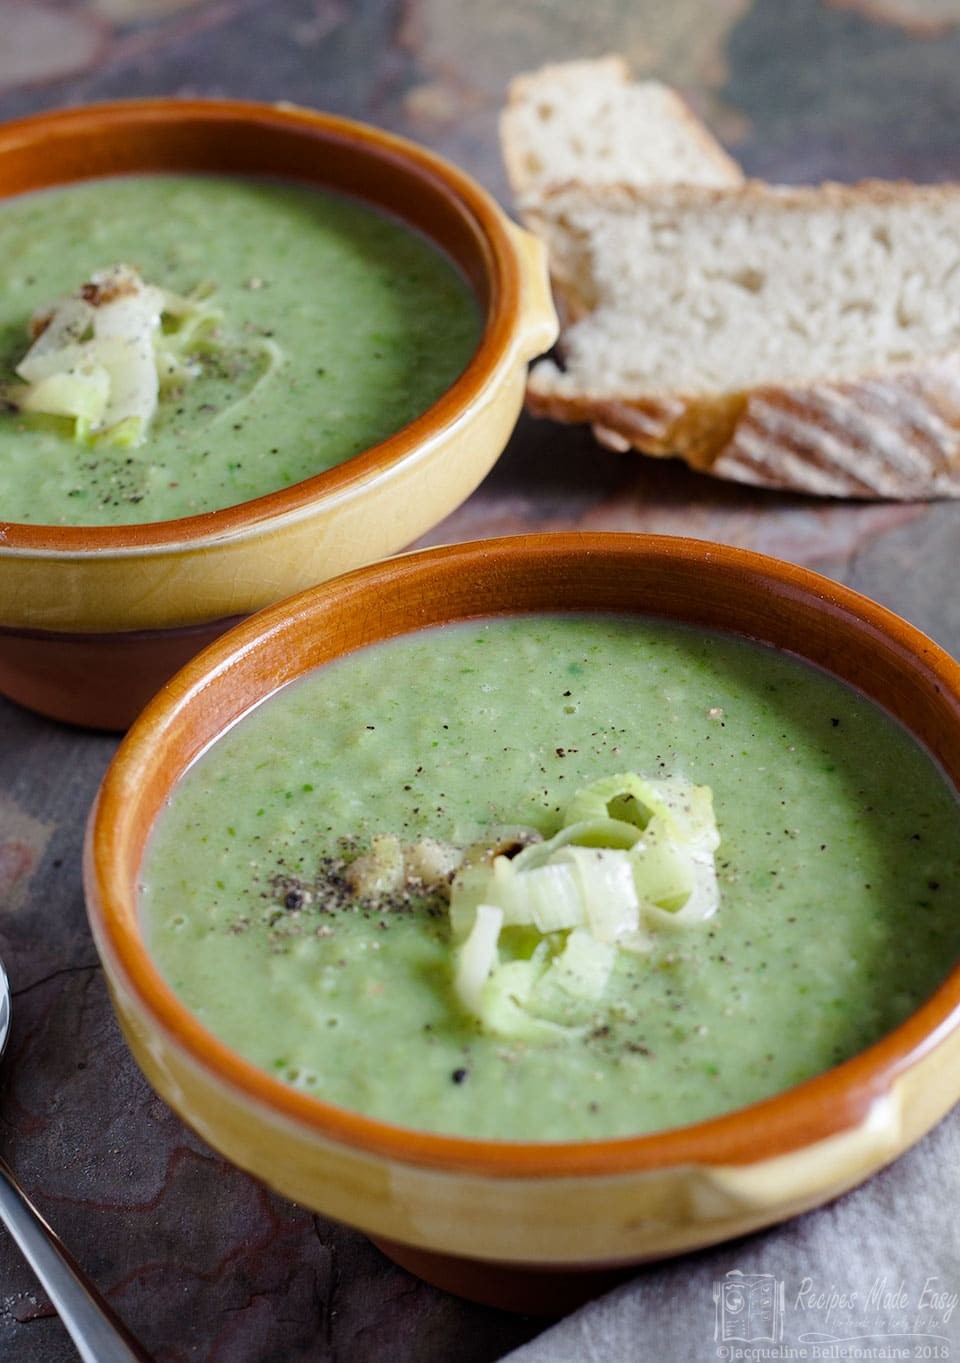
x=93 y=619
x=532 y=1225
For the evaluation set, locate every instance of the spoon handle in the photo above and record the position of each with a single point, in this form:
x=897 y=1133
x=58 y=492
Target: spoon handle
x=99 y=1334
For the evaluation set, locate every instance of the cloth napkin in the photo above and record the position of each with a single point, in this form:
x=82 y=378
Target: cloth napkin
x=874 y=1275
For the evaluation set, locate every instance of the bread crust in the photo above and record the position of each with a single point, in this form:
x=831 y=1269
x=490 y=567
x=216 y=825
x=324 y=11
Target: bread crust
x=893 y=433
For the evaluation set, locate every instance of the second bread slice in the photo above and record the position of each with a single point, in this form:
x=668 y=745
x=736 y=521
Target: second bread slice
x=588 y=121
x=802 y=338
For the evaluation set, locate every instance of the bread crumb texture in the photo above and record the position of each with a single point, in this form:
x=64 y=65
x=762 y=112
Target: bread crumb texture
x=796 y=338
x=587 y=121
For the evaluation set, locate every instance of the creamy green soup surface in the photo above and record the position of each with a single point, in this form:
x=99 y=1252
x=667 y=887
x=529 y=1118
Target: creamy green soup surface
x=367 y=325
x=838 y=869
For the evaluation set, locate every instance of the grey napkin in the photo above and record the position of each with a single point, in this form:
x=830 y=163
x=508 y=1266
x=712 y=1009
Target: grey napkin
x=874 y=1275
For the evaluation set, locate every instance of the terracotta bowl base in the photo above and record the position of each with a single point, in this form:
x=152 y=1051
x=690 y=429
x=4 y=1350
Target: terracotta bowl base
x=509 y=1287
x=99 y=681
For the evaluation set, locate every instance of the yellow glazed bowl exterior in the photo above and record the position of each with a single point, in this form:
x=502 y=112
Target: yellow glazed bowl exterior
x=452 y=1208
x=584 y=1220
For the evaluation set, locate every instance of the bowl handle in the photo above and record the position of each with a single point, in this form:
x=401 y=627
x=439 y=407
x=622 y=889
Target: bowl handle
x=804 y=1178
x=537 y=324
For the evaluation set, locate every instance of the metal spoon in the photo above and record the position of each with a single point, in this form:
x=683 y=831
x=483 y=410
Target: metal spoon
x=99 y=1334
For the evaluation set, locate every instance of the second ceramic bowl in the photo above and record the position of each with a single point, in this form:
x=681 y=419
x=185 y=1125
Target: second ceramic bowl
x=530 y=1225
x=92 y=620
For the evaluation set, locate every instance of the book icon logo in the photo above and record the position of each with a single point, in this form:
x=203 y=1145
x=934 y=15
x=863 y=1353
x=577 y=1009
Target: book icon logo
x=749 y=1308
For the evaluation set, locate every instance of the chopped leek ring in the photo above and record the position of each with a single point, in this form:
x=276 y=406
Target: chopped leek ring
x=607 y=889
x=127 y=433
x=62 y=325
x=628 y=799
x=632 y=854
x=663 y=872
x=75 y=393
x=506 y=1003
x=101 y=356
x=639 y=800
x=477 y=957
x=599 y=832
x=702 y=901
x=548 y=897
x=583 y=967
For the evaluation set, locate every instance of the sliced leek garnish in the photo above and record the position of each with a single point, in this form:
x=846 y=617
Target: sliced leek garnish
x=102 y=357
x=477 y=957
x=632 y=854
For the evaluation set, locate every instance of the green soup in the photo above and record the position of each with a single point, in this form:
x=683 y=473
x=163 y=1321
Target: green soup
x=838 y=869
x=368 y=325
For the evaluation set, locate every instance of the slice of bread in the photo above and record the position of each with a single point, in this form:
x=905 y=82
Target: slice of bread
x=794 y=338
x=587 y=121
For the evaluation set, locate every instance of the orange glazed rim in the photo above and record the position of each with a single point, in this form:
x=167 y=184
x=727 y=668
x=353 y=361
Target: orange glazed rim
x=238 y=137
x=585 y=572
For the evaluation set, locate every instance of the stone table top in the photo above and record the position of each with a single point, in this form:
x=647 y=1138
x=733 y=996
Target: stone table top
x=202 y=1261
